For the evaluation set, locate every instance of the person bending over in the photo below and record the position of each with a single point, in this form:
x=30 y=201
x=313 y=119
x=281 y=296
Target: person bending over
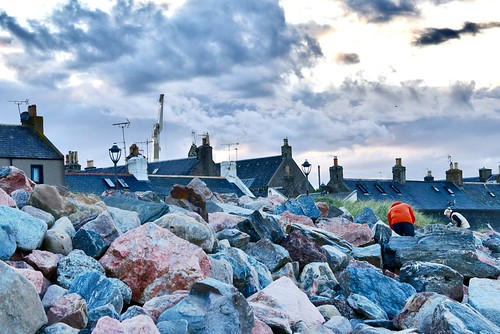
x=456 y=218
x=401 y=219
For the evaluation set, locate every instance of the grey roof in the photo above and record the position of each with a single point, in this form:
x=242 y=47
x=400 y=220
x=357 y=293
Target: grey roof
x=24 y=143
x=257 y=173
x=173 y=167
x=95 y=183
x=433 y=195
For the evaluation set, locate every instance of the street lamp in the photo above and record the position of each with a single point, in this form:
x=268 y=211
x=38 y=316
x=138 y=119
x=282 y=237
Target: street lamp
x=114 y=154
x=306 y=169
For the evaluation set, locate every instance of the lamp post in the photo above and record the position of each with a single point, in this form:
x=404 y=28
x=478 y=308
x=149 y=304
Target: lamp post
x=114 y=154
x=306 y=169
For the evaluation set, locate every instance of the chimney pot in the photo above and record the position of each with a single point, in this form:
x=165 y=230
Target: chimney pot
x=335 y=161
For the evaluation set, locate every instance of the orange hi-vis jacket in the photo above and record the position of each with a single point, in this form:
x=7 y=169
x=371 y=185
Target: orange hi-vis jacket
x=400 y=213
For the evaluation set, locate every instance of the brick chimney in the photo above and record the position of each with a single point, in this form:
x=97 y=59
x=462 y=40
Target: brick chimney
x=31 y=120
x=72 y=164
x=399 y=172
x=206 y=165
x=455 y=175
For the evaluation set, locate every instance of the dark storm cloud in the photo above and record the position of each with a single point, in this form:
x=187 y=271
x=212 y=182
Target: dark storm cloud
x=348 y=58
x=380 y=11
x=434 y=36
x=137 y=47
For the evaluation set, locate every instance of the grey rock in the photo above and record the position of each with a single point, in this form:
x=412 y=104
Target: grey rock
x=484 y=296
x=366 y=307
x=272 y=255
x=75 y=264
x=40 y=214
x=28 y=231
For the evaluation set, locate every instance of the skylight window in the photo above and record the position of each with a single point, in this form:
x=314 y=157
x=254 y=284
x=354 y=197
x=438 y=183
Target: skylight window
x=155 y=171
x=362 y=188
x=435 y=189
x=109 y=183
x=396 y=189
x=491 y=194
x=380 y=189
x=123 y=183
x=448 y=190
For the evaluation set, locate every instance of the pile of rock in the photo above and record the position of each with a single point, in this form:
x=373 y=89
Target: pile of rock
x=199 y=262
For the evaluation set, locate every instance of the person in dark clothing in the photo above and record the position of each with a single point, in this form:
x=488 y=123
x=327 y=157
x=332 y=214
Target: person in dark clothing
x=401 y=219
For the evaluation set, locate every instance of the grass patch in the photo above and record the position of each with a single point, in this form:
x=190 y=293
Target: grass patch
x=380 y=208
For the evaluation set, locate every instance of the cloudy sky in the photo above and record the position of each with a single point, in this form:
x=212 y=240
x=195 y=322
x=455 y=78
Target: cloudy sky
x=365 y=80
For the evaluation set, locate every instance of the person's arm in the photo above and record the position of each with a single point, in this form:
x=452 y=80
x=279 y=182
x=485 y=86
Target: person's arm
x=456 y=220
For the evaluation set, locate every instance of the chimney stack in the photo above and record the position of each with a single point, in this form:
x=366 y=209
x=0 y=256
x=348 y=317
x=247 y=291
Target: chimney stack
x=32 y=120
x=399 y=172
x=484 y=174
x=454 y=174
x=336 y=183
x=429 y=177
x=286 y=150
x=90 y=165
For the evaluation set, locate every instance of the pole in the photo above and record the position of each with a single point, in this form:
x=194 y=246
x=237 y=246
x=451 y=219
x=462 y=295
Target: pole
x=116 y=176
x=307 y=185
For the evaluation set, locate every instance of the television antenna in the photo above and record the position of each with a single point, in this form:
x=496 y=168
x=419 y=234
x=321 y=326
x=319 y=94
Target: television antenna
x=147 y=142
x=123 y=125
x=19 y=103
x=229 y=148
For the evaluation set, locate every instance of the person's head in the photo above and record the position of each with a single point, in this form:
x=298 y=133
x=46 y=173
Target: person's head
x=447 y=212
x=395 y=203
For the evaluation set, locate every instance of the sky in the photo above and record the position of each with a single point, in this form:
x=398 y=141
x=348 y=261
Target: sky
x=367 y=81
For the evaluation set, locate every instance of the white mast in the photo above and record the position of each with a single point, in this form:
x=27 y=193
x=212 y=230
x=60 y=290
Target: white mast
x=157 y=129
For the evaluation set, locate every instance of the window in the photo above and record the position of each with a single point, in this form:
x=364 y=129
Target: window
x=37 y=173
x=435 y=189
x=380 y=189
x=396 y=190
x=123 y=183
x=448 y=190
x=110 y=183
x=362 y=188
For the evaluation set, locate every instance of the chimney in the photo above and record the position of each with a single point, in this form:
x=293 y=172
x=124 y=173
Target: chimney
x=484 y=174
x=90 y=165
x=399 y=172
x=336 y=183
x=454 y=174
x=72 y=164
x=206 y=165
x=286 y=150
x=429 y=177
x=31 y=120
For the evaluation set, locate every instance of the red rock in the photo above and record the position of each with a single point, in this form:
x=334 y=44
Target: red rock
x=324 y=208
x=44 y=261
x=222 y=220
x=70 y=309
x=6 y=200
x=34 y=277
x=354 y=233
x=157 y=305
x=152 y=261
x=299 y=219
x=16 y=179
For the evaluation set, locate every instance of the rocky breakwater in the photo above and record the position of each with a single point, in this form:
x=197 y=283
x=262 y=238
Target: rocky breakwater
x=200 y=262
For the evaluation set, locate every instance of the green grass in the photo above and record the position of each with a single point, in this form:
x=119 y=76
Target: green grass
x=379 y=208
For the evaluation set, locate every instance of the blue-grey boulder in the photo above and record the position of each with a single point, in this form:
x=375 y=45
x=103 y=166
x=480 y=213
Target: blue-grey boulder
x=21 y=197
x=363 y=279
x=451 y=317
x=148 y=211
x=272 y=255
x=212 y=307
x=484 y=296
x=26 y=229
x=97 y=290
x=21 y=310
x=74 y=264
x=259 y=227
x=7 y=242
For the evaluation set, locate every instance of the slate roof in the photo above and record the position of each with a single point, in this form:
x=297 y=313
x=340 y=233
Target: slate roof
x=173 y=167
x=257 y=173
x=24 y=143
x=94 y=183
x=434 y=195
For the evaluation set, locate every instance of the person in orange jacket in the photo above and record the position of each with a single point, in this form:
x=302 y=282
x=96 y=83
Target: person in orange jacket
x=401 y=219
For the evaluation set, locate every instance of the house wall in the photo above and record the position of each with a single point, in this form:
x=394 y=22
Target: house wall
x=53 y=170
x=291 y=180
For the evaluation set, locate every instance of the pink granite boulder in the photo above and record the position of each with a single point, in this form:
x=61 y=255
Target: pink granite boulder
x=152 y=261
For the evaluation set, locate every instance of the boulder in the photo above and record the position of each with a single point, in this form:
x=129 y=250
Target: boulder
x=293 y=218
x=223 y=220
x=124 y=220
x=8 y=244
x=153 y=261
x=212 y=307
x=60 y=202
x=21 y=310
x=363 y=279
x=418 y=311
x=27 y=230
x=484 y=296
x=371 y=254
x=451 y=317
x=366 y=307
x=273 y=256
x=260 y=227
x=367 y=216
x=157 y=305
x=6 y=200
x=302 y=249
x=147 y=211
x=453 y=247
x=235 y=237
x=21 y=197
x=45 y=262
x=317 y=279
x=282 y=304
x=355 y=233
x=74 y=264
x=322 y=237
x=70 y=309
x=187 y=228
x=13 y=178
x=433 y=277
x=302 y=205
